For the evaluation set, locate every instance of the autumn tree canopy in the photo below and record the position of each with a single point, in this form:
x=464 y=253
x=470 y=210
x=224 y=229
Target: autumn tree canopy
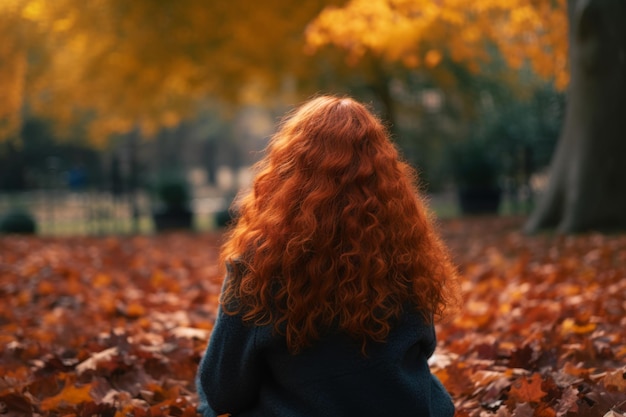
x=149 y=64
x=144 y=64
x=419 y=33
x=584 y=38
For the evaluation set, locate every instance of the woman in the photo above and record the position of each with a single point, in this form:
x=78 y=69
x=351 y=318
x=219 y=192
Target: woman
x=334 y=278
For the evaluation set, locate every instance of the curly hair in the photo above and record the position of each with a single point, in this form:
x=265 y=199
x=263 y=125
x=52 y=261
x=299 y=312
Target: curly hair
x=334 y=234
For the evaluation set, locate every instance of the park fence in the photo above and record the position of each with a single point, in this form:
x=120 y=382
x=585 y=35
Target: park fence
x=63 y=212
x=89 y=212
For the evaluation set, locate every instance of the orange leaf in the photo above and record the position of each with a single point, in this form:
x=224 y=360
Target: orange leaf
x=527 y=389
x=484 y=377
x=134 y=310
x=616 y=379
x=70 y=395
x=570 y=326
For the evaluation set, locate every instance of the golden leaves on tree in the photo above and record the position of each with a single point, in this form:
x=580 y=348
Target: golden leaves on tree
x=123 y=65
x=409 y=30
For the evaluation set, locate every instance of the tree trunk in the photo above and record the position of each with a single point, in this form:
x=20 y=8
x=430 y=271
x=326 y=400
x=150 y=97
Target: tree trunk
x=587 y=186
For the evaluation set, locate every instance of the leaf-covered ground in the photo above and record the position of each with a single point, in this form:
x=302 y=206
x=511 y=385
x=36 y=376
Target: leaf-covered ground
x=116 y=326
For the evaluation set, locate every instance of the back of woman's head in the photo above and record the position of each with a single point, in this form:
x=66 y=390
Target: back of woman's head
x=333 y=235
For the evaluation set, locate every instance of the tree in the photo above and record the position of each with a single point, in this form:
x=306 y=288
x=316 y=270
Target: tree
x=422 y=33
x=586 y=189
x=147 y=64
x=123 y=65
x=454 y=46
x=12 y=67
x=28 y=164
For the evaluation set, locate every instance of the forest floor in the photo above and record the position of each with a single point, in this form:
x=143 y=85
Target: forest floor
x=115 y=326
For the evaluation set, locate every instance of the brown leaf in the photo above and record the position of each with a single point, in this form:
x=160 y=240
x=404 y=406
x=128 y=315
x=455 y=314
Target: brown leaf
x=526 y=390
x=544 y=410
x=16 y=405
x=614 y=413
x=567 y=402
x=616 y=380
x=96 y=358
x=523 y=410
x=598 y=402
x=129 y=316
x=71 y=395
x=455 y=380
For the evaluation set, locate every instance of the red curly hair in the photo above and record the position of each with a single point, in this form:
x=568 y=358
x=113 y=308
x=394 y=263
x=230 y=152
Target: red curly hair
x=334 y=234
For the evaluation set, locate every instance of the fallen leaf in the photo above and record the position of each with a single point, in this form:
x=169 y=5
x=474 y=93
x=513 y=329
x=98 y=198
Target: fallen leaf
x=616 y=380
x=527 y=390
x=71 y=395
x=523 y=410
x=96 y=358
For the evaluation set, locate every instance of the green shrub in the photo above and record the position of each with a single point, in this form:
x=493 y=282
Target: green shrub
x=173 y=193
x=19 y=222
x=474 y=165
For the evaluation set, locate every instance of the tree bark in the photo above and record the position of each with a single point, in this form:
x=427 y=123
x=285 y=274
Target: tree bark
x=587 y=186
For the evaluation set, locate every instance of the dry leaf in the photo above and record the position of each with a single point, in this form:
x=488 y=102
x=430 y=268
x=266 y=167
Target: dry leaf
x=116 y=326
x=527 y=390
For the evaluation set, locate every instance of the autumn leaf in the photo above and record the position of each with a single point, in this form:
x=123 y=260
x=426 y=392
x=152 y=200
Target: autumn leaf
x=71 y=395
x=92 y=362
x=527 y=390
x=567 y=402
x=523 y=410
x=71 y=345
x=456 y=380
x=570 y=326
x=616 y=380
x=16 y=405
x=485 y=377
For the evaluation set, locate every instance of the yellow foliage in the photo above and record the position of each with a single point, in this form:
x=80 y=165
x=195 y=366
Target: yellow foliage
x=433 y=58
x=401 y=30
x=33 y=10
x=144 y=64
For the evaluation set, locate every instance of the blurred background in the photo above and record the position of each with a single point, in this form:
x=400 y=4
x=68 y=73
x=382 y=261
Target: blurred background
x=136 y=117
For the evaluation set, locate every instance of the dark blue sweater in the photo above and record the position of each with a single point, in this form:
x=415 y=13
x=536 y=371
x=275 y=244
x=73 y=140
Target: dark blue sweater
x=248 y=371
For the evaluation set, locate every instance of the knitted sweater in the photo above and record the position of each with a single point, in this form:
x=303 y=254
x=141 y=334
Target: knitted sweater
x=248 y=371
